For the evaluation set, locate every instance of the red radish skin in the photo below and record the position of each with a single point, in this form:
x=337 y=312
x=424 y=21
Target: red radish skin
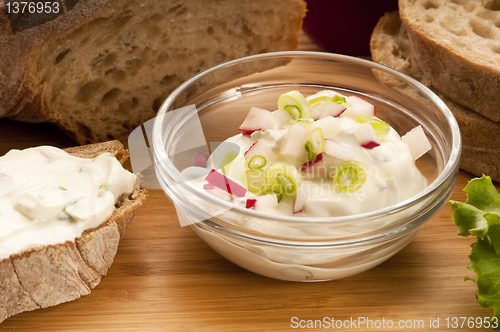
x=249 y=149
x=308 y=164
x=223 y=182
x=370 y=145
x=248 y=131
x=251 y=203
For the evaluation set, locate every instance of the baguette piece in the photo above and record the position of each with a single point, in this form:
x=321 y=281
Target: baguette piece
x=391 y=47
x=44 y=277
x=106 y=66
x=457 y=46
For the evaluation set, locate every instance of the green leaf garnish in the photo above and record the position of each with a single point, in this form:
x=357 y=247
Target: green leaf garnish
x=480 y=216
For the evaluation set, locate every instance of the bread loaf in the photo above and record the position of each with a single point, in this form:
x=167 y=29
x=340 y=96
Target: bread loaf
x=105 y=66
x=457 y=46
x=391 y=47
x=53 y=274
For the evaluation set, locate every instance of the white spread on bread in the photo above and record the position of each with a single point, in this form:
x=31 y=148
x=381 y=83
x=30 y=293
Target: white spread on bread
x=49 y=197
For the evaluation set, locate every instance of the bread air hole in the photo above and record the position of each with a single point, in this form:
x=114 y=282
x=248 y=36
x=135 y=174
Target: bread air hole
x=493 y=5
x=61 y=56
x=496 y=49
x=110 y=96
x=482 y=30
x=126 y=106
x=104 y=61
x=430 y=5
x=88 y=90
x=168 y=80
x=117 y=75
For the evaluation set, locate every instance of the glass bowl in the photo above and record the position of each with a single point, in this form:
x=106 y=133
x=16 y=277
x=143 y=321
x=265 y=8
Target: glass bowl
x=209 y=108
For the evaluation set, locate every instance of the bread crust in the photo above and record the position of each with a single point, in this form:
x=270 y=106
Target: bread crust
x=468 y=77
x=47 y=276
x=390 y=46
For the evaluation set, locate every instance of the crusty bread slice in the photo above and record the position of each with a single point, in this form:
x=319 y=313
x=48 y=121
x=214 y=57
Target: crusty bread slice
x=106 y=66
x=457 y=46
x=391 y=47
x=45 y=277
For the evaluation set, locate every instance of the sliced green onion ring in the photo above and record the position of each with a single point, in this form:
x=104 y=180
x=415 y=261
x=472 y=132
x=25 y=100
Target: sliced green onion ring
x=278 y=193
x=284 y=178
x=349 y=177
x=255 y=180
x=315 y=144
x=339 y=99
x=381 y=128
x=257 y=162
x=295 y=104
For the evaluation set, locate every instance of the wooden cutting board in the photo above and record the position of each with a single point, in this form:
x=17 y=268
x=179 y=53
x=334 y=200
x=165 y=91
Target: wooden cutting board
x=165 y=278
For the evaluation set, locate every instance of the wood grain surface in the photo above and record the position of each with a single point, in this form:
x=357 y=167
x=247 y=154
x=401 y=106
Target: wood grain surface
x=164 y=278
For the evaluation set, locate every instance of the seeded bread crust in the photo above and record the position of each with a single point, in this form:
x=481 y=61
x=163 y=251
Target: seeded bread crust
x=390 y=46
x=105 y=66
x=457 y=46
x=51 y=275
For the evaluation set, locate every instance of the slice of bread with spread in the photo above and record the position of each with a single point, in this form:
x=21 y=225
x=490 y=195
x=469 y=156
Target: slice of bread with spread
x=391 y=46
x=457 y=46
x=105 y=66
x=46 y=275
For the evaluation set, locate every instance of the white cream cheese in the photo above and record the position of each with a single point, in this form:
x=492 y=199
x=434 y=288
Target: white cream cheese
x=49 y=197
x=391 y=173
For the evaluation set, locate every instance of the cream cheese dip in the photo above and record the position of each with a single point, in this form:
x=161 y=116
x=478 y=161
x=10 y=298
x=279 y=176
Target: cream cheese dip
x=325 y=155
x=49 y=197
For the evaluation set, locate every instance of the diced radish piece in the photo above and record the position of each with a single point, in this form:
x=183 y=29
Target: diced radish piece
x=366 y=136
x=259 y=148
x=223 y=182
x=201 y=159
x=257 y=119
x=338 y=150
x=330 y=108
x=216 y=192
x=331 y=126
x=281 y=117
x=360 y=106
x=262 y=203
x=316 y=111
x=251 y=202
x=417 y=142
x=302 y=195
x=293 y=141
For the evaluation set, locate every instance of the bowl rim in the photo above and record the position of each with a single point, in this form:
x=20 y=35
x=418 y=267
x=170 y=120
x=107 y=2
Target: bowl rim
x=450 y=167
